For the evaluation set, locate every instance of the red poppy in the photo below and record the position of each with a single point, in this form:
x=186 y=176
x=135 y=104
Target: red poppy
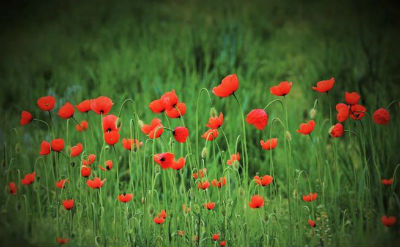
x=162 y=214
x=215 y=122
x=388 y=220
x=66 y=111
x=200 y=173
x=352 y=98
x=154 y=130
x=264 y=181
x=210 y=134
x=46 y=103
x=180 y=134
x=165 y=160
x=220 y=183
x=28 y=179
x=82 y=126
x=310 y=197
x=158 y=220
x=209 y=205
x=157 y=106
x=85 y=171
x=109 y=164
x=306 y=128
x=215 y=237
x=343 y=112
x=91 y=159
x=62 y=240
x=76 y=150
x=96 y=183
x=357 y=112
x=68 y=204
x=26 y=118
x=222 y=243
x=256 y=201
x=336 y=130
x=110 y=123
x=227 y=87
x=125 y=197
x=57 y=145
x=61 y=184
x=233 y=159
x=177 y=165
x=13 y=188
x=177 y=111
x=45 y=148
x=325 y=85
x=203 y=185
x=281 y=89
x=311 y=223
x=129 y=143
x=84 y=106
x=258 y=118
x=387 y=182
x=112 y=137
x=101 y=105
x=381 y=116
x=269 y=144
x=169 y=100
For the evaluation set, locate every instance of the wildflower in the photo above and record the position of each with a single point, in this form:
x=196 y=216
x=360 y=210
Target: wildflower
x=62 y=240
x=357 y=112
x=306 y=128
x=215 y=237
x=325 y=85
x=125 y=197
x=44 y=148
x=388 y=220
x=264 y=181
x=82 y=126
x=352 y=98
x=203 y=185
x=28 y=179
x=26 y=118
x=234 y=158
x=209 y=205
x=154 y=130
x=169 y=100
x=157 y=106
x=178 y=111
x=177 y=165
x=227 y=87
x=258 y=118
x=112 y=137
x=68 y=204
x=281 y=89
x=165 y=160
x=13 y=188
x=215 y=122
x=129 y=143
x=269 y=144
x=220 y=183
x=76 y=150
x=85 y=171
x=180 y=134
x=210 y=134
x=66 y=111
x=310 y=197
x=256 y=201
x=110 y=123
x=101 y=105
x=387 y=182
x=46 y=103
x=57 y=145
x=336 y=130
x=84 y=106
x=343 y=112
x=381 y=116
x=61 y=184
x=96 y=183
x=311 y=223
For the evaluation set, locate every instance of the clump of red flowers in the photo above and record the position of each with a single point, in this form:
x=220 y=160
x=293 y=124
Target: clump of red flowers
x=264 y=181
x=310 y=197
x=256 y=201
x=28 y=179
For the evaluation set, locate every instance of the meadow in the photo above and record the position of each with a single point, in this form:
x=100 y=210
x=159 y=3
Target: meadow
x=201 y=175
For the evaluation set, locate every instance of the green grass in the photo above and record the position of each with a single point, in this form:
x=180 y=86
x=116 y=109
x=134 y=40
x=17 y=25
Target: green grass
x=139 y=51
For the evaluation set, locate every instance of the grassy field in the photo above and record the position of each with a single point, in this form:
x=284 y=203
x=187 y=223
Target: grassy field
x=133 y=53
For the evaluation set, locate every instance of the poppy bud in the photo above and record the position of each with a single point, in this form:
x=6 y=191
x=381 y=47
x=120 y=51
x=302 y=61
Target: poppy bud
x=119 y=123
x=213 y=112
x=288 y=136
x=143 y=200
x=140 y=122
x=204 y=153
x=312 y=113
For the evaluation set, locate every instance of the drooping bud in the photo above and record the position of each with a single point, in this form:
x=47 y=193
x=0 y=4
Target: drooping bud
x=288 y=136
x=213 y=112
x=312 y=113
x=204 y=153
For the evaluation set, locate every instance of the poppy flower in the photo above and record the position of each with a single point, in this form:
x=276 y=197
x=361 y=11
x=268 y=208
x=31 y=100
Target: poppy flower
x=357 y=112
x=28 y=179
x=84 y=106
x=169 y=100
x=215 y=237
x=57 y=145
x=26 y=118
x=210 y=134
x=177 y=111
x=109 y=164
x=165 y=160
x=177 y=165
x=157 y=106
x=388 y=220
x=44 y=148
x=62 y=240
x=387 y=182
x=215 y=122
x=256 y=201
x=311 y=223
x=158 y=220
x=343 y=112
x=180 y=134
x=13 y=188
x=112 y=137
x=125 y=197
x=61 y=184
x=264 y=181
x=129 y=143
x=258 y=118
x=200 y=173
x=233 y=159
x=325 y=85
x=336 y=130
x=222 y=243
x=209 y=205
x=66 y=111
x=76 y=150
x=381 y=116
x=68 y=204
x=203 y=185
x=154 y=130
x=162 y=214
x=227 y=87
x=110 y=123
x=352 y=98
x=281 y=89
x=269 y=144
x=310 y=197
x=46 y=103
x=95 y=183
x=91 y=159
x=82 y=126
x=101 y=105
x=306 y=128
x=220 y=183
x=85 y=171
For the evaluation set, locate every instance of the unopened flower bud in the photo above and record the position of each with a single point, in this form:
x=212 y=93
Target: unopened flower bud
x=204 y=152
x=140 y=122
x=312 y=113
x=288 y=136
x=213 y=112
